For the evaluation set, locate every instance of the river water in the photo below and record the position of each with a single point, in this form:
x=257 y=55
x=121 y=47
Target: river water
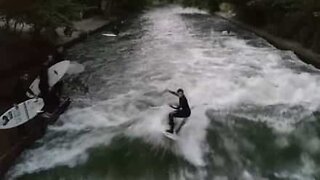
x=254 y=107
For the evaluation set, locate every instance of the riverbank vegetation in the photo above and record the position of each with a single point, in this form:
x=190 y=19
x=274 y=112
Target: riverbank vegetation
x=36 y=16
x=29 y=29
x=297 y=20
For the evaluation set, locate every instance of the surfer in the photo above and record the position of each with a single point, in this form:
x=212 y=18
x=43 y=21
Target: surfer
x=115 y=30
x=68 y=31
x=51 y=96
x=181 y=111
x=20 y=89
x=59 y=54
x=44 y=80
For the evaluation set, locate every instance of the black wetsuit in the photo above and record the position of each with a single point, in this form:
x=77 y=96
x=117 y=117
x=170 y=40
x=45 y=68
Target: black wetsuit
x=59 y=56
x=47 y=94
x=44 y=83
x=51 y=97
x=182 y=111
x=20 y=90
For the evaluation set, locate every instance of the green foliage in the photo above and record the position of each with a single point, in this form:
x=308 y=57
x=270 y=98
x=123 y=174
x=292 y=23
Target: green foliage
x=52 y=13
x=39 y=14
x=294 y=19
x=118 y=7
x=132 y=6
x=212 y=5
x=89 y=2
x=269 y=6
x=298 y=20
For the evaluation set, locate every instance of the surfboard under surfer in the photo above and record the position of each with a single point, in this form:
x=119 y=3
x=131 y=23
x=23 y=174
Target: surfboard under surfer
x=181 y=111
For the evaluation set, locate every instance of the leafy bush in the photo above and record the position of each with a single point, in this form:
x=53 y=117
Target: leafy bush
x=212 y=5
x=39 y=14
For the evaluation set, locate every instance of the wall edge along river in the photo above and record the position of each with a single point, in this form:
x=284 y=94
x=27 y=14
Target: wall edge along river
x=306 y=55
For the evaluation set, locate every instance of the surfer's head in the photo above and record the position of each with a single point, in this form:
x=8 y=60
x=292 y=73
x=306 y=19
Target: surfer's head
x=60 y=49
x=24 y=76
x=48 y=61
x=180 y=92
x=50 y=58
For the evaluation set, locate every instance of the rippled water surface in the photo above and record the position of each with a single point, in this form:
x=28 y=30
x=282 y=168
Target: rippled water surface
x=254 y=107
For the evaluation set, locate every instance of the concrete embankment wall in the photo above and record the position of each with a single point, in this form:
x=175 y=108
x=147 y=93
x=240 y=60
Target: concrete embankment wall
x=305 y=54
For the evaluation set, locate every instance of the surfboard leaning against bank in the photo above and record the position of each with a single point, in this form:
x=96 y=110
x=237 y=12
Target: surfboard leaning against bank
x=109 y=35
x=21 y=114
x=55 y=74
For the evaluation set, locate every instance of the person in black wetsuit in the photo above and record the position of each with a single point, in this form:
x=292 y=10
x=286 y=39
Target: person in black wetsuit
x=182 y=110
x=60 y=54
x=44 y=79
x=51 y=96
x=21 y=88
x=47 y=94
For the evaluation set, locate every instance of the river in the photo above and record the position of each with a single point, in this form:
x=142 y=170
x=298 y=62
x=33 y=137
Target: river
x=254 y=107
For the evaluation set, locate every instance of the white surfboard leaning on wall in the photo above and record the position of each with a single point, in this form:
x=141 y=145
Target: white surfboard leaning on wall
x=55 y=73
x=21 y=114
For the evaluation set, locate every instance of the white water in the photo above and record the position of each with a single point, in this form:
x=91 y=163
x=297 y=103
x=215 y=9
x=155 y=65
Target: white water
x=217 y=72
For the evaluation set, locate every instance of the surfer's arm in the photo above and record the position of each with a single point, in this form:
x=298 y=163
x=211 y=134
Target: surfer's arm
x=174 y=107
x=31 y=92
x=172 y=92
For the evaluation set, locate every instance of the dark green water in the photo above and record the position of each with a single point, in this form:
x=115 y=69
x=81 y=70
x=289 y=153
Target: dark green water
x=254 y=107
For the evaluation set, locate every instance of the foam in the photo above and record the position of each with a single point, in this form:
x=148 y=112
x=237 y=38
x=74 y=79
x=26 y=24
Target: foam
x=313 y=145
x=58 y=152
x=306 y=172
x=190 y=143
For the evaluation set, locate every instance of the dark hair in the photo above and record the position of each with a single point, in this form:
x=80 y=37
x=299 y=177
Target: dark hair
x=23 y=74
x=180 y=90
